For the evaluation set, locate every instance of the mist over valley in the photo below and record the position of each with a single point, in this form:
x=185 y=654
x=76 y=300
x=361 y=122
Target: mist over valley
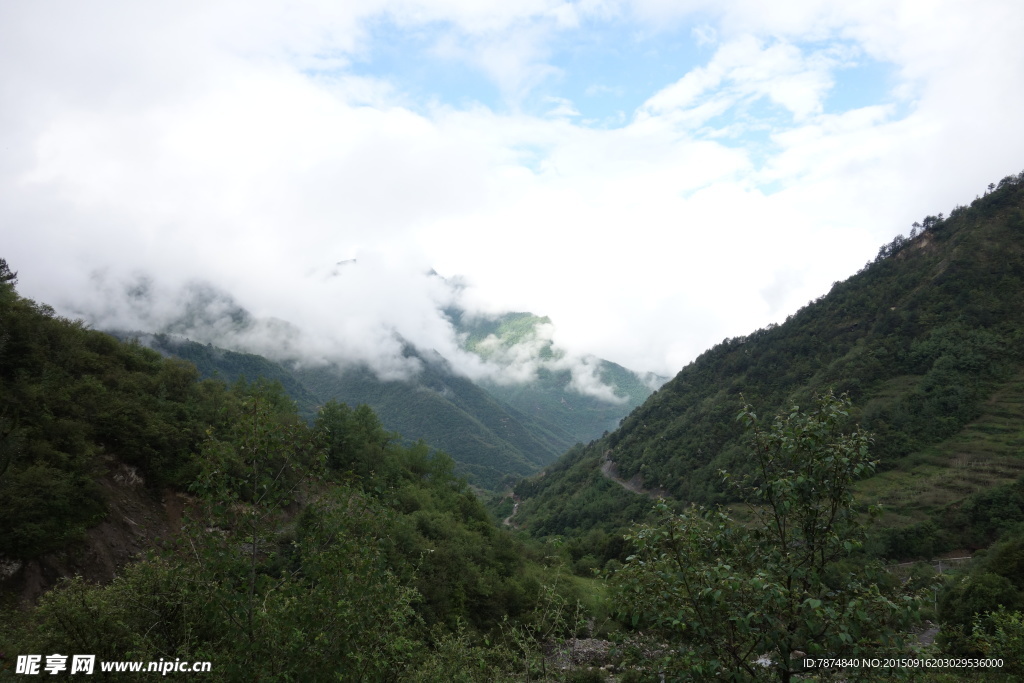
x=621 y=341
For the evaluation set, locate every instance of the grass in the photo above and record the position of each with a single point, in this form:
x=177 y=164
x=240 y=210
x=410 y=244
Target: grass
x=988 y=452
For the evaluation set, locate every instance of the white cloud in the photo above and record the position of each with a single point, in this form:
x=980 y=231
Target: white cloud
x=705 y=34
x=236 y=143
x=561 y=107
x=744 y=70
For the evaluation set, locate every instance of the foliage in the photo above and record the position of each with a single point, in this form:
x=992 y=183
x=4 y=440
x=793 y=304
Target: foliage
x=73 y=400
x=574 y=498
x=261 y=458
x=1000 y=633
x=995 y=579
x=319 y=551
x=964 y=526
x=552 y=620
x=454 y=657
x=335 y=611
x=230 y=366
x=490 y=441
x=286 y=571
x=724 y=594
x=355 y=439
x=926 y=339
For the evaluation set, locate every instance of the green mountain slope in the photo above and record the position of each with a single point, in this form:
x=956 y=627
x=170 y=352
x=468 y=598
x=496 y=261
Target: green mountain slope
x=550 y=395
x=584 y=416
x=77 y=410
x=496 y=433
x=189 y=516
x=230 y=366
x=491 y=443
x=928 y=340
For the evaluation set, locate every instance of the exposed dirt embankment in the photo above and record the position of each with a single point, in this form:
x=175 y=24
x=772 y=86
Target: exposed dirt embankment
x=634 y=483
x=515 y=508
x=137 y=520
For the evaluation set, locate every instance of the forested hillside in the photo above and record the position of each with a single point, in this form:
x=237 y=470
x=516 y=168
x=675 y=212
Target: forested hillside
x=928 y=342
x=283 y=535
x=492 y=443
x=73 y=402
x=496 y=432
x=274 y=548
x=549 y=396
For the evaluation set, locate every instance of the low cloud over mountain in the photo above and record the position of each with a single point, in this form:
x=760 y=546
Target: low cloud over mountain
x=361 y=311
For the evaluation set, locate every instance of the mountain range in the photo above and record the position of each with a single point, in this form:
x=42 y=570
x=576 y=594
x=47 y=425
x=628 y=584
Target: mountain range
x=496 y=431
x=210 y=507
x=927 y=340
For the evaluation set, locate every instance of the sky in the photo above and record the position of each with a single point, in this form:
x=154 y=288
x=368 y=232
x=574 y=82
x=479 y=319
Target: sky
x=654 y=176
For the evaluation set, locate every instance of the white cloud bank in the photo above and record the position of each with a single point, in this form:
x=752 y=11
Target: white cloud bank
x=244 y=145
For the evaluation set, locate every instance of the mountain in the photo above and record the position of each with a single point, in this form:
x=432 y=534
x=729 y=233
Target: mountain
x=229 y=366
x=584 y=416
x=928 y=341
x=190 y=516
x=504 y=402
x=496 y=433
x=491 y=443
x=524 y=338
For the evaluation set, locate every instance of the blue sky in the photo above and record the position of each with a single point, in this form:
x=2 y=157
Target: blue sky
x=654 y=176
x=600 y=73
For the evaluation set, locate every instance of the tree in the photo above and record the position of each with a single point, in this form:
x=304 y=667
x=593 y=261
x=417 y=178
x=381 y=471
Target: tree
x=736 y=600
x=1000 y=633
x=274 y=576
x=356 y=440
x=7 y=276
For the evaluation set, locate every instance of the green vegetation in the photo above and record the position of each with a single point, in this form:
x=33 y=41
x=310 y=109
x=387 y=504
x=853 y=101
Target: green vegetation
x=496 y=434
x=318 y=551
x=548 y=398
x=486 y=336
x=723 y=594
x=927 y=340
x=311 y=542
x=994 y=581
x=493 y=444
x=583 y=417
x=71 y=400
x=229 y=366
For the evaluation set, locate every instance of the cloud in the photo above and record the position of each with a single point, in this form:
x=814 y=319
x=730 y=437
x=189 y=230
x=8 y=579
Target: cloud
x=360 y=312
x=746 y=69
x=349 y=316
x=562 y=107
x=599 y=89
x=242 y=145
x=586 y=379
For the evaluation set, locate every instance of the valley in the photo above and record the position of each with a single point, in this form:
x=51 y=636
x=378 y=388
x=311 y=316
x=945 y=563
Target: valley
x=166 y=497
x=496 y=432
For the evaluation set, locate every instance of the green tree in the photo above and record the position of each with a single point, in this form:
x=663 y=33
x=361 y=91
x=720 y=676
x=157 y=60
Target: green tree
x=356 y=440
x=248 y=480
x=736 y=600
x=1000 y=633
x=273 y=578
x=7 y=276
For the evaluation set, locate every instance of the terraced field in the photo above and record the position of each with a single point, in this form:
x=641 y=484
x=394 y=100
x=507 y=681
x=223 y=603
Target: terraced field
x=988 y=452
